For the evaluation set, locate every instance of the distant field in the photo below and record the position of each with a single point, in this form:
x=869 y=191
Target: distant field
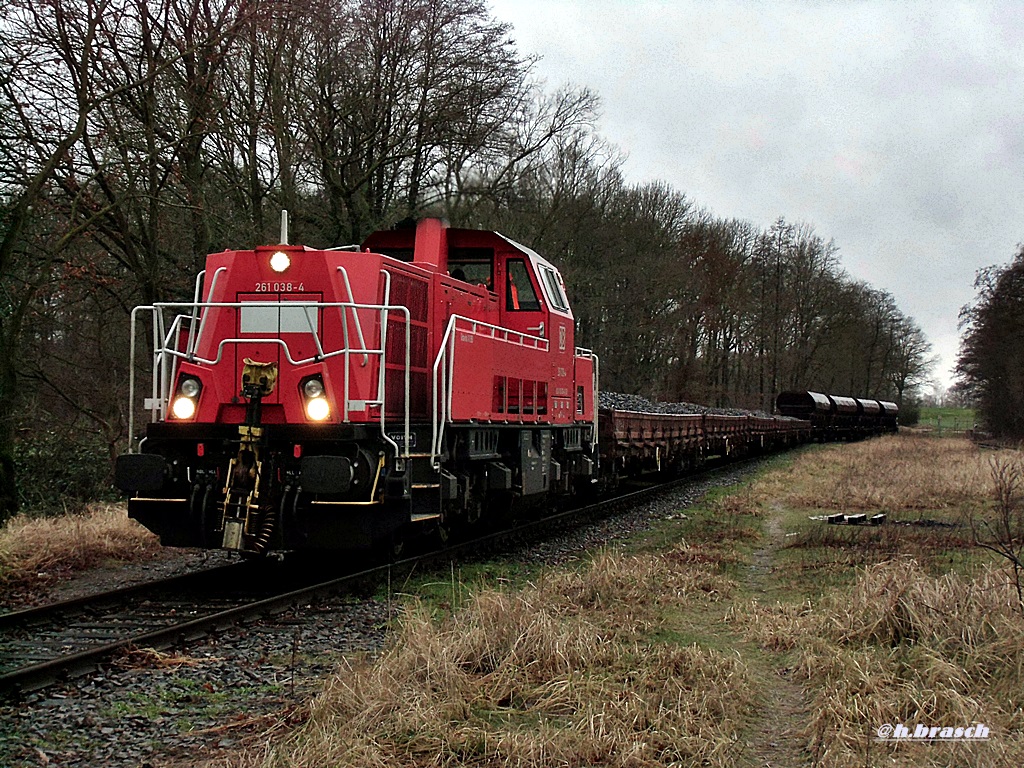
x=947 y=419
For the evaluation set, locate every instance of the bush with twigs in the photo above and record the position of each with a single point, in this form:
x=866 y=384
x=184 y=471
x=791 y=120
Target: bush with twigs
x=1001 y=529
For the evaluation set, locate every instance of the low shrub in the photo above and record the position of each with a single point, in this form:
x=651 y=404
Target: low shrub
x=37 y=549
x=61 y=472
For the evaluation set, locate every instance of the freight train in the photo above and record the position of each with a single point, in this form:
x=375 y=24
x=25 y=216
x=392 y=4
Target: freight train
x=330 y=399
x=833 y=417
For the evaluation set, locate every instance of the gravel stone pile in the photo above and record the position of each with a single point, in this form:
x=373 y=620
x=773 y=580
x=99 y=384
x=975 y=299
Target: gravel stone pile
x=641 y=404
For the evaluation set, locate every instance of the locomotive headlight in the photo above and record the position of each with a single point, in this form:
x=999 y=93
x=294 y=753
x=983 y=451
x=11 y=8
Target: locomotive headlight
x=184 y=407
x=190 y=388
x=184 y=404
x=318 y=409
x=314 y=393
x=280 y=261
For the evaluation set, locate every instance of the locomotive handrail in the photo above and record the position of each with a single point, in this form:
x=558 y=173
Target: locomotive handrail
x=166 y=354
x=202 y=324
x=441 y=391
x=172 y=333
x=193 y=341
x=312 y=331
x=355 y=315
x=195 y=300
x=269 y=340
x=382 y=370
x=305 y=305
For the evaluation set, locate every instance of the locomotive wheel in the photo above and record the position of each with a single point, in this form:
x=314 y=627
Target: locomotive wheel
x=200 y=502
x=474 y=511
x=391 y=547
x=197 y=510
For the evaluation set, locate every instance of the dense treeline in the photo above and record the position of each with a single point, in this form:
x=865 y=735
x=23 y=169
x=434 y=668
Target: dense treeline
x=138 y=135
x=991 y=362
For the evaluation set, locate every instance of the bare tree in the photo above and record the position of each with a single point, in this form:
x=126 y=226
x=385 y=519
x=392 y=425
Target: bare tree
x=991 y=362
x=913 y=362
x=1002 y=530
x=256 y=150
x=93 y=166
x=45 y=53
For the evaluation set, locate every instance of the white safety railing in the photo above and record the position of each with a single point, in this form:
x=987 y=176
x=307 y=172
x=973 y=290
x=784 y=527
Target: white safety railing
x=167 y=353
x=444 y=369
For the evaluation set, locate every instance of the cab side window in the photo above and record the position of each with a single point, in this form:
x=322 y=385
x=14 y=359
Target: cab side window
x=520 y=294
x=553 y=288
x=472 y=272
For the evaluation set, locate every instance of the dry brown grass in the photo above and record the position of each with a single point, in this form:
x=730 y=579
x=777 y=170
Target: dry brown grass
x=908 y=642
x=150 y=658
x=561 y=673
x=906 y=647
x=897 y=473
x=905 y=473
x=38 y=550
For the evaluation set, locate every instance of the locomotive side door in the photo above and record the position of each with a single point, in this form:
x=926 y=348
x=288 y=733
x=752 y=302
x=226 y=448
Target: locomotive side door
x=533 y=302
x=522 y=387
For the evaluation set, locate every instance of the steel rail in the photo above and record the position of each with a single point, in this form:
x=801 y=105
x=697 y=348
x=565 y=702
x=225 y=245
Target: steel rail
x=44 y=673
x=23 y=617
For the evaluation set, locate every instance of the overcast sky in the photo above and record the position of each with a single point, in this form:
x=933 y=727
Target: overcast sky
x=894 y=128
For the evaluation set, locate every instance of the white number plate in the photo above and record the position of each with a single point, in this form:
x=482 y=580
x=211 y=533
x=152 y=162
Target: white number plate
x=278 y=287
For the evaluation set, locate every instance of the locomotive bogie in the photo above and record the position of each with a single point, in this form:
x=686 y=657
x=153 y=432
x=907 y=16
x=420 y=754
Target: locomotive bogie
x=311 y=474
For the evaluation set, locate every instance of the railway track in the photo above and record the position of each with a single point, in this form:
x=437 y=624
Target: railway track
x=44 y=645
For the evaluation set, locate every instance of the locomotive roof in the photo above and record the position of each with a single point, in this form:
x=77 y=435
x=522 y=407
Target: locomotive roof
x=528 y=251
x=404 y=242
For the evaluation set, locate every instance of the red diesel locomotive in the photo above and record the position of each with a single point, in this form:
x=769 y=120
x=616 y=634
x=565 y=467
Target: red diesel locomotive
x=340 y=398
